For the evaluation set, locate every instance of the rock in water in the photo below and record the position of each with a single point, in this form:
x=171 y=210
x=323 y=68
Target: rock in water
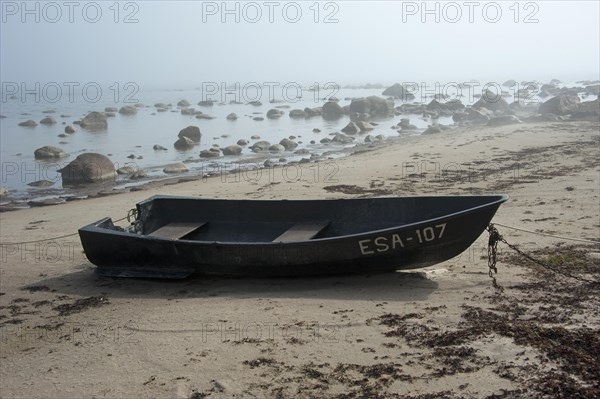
x=183 y=103
x=29 y=123
x=49 y=152
x=175 y=168
x=260 y=146
x=233 y=149
x=94 y=120
x=398 y=91
x=70 y=129
x=88 y=168
x=192 y=133
x=275 y=148
x=297 y=114
x=210 y=153
x=128 y=110
x=288 y=144
x=183 y=144
x=332 y=110
x=232 y=116
x=274 y=113
x=157 y=147
x=351 y=128
x=48 y=121
x=491 y=101
x=560 y=105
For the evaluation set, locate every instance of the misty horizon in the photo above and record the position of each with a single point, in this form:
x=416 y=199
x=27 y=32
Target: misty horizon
x=181 y=45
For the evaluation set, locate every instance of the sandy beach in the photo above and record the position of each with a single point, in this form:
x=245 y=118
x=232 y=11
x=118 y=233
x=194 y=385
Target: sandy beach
x=440 y=332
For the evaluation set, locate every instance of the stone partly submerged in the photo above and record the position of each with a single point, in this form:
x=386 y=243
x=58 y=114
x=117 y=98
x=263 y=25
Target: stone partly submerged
x=94 y=120
x=88 y=168
x=49 y=152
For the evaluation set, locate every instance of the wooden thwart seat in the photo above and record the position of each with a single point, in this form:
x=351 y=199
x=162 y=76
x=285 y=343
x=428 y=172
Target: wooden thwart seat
x=176 y=230
x=302 y=231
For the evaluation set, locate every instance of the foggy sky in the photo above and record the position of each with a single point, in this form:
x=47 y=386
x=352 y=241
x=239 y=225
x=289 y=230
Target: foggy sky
x=182 y=44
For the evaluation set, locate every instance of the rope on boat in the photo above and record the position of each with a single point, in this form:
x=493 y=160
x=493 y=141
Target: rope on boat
x=496 y=237
x=548 y=235
x=57 y=237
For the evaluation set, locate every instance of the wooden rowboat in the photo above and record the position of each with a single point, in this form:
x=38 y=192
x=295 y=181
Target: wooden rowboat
x=173 y=237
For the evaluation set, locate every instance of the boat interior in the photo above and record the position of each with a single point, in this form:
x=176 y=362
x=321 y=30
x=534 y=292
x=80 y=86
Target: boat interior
x=177 y=218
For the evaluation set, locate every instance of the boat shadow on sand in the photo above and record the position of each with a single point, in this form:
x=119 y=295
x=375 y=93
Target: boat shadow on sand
x=409 y=285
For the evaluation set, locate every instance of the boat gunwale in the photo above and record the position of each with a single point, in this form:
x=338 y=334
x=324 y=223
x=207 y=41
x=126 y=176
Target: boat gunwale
x=93 y=227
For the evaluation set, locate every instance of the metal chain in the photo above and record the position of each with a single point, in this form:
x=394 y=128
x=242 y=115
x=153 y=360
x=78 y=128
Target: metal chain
x=495 y=237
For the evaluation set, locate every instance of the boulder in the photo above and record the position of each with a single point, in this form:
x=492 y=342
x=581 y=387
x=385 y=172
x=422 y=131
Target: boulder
x=503 y=120
x=210 y=153
x=183 y=144
x=288 y=144
x=183 y=103
x=232 y=116
x=332 y=110
x=297 y=114
x=258 y=118
x=94 y=120
x=275 y=148
x=157 y=147
x=48 y=121
x=192 y=133
x=256 y=103
x=29 y=123
x=138 y=174
x=351 y=128
x=161 y=105
x=3 y=192
x=372 y=105
x=70 y=129
x=205 y=103
x=310 y=112
x=242 y=142
x=398 y=91
x=491 y=101
x=406 y=125
x=274 y=113
x=260 y=146
x=126 y=170
x=476 y=116
x=128 y=110
x=560 y=105
x=111 y=109
x=364 y=126
x=342 y=138
x=188 y=111
x=233 y=149
x=204 y=116
x=49 y=152
x=509 y=83
x=175 y=168
x=41 y=183
x=88 y=168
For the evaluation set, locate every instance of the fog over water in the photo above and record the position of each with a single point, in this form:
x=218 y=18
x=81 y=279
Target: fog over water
x=71 y=58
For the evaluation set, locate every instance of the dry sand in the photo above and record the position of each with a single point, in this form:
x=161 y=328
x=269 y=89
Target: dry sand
x=440 y=332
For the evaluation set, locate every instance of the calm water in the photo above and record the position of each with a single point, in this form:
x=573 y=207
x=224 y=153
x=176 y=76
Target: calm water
x=136 y=134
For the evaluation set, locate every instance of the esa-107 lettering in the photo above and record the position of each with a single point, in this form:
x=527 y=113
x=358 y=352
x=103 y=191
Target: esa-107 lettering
x=396 y=241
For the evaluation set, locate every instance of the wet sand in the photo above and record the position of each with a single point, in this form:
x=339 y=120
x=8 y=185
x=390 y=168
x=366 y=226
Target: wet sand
x=440 y=332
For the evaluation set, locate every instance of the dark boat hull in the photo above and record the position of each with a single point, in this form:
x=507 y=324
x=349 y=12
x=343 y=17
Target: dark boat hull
x=411 y=245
